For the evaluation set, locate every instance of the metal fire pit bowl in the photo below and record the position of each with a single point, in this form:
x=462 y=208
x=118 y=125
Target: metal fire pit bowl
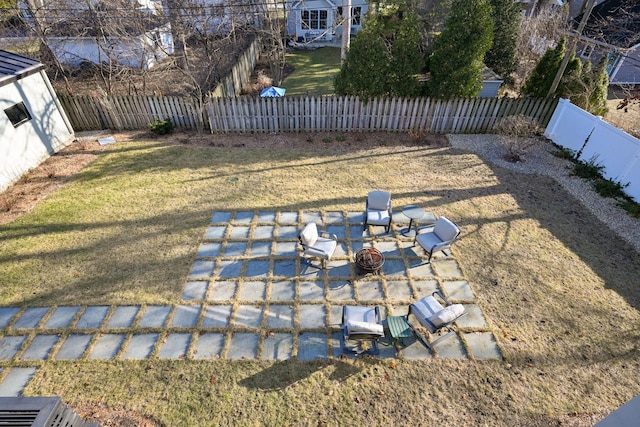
x=369 y=260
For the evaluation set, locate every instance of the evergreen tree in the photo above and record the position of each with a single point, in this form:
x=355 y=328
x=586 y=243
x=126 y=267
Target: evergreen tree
x=456 y=63
x=407 y=60
x=542 y=76
x=365 y=68
x=507 y=17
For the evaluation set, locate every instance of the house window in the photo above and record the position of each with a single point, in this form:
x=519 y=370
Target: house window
x=356 y=15
x=586 y=52
x=314 y=19
x=18 y=114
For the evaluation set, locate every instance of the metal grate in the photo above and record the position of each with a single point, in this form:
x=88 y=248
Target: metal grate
x=39 y=412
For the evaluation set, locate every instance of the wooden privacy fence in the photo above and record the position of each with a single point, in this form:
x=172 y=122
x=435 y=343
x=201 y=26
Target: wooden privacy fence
x=302 y=113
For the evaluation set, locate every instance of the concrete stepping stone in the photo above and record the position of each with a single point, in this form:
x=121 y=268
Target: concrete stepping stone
x=140 y=346
x=419 y=269
x=340 y=231
x=186 y=316
x=311 y=316
x=459 y=290
x=239 y=232
x=340 y=290
x=311 y=271
x=235 y=249
x=154 y=316
x=209 y=346
x=283 y=291
x=333 y=217
x=222 y=290
x=73 y=347
x=123 y=316
x=415 y=350
x=209 y=249
x=399 y=290
x=394 y=267
x=288 y=249
x=31 y=317
x=310 y=291
x=107 y=346
x=287 y=232
x=447 y=267
x=175 y=346
x=221 y=217
x=248 y=316
x=243 y=346
x=285 y=268
x=308 y=217
x=258 y=268
x=62 y=317
x=474 y=317
x=10 y=345
x=335 y=343
x=202 y=268
x=388 y=249
x=288 y=217
x=16 y=380
x=215 y=232
x=356 y=232
x=335 y=316
x=450 y=348
x=6 y=314
x=195 y=290
x=230 y=268
x=356 y=217
x=483 y=345
x=370 y=290
x=92 y=317
x=339 y=268
x=280 y=316
x=424 y=288
x=243 y=217
x=260 y=249
x=312 y=345
x=40 y=347
x=277 y=346
x=263 y=232
x=217 y=316
x=266 y=217
x=253 y=291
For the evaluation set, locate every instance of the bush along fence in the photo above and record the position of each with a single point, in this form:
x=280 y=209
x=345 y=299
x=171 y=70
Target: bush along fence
x=250 y=114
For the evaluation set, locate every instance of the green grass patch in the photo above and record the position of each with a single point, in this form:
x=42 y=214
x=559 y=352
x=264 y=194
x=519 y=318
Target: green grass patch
x=314 y=71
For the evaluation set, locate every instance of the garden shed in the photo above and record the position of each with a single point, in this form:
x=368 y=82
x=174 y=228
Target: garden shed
x=33 y=124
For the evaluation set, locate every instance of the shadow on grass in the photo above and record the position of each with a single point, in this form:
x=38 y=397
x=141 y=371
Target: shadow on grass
x=286 y=373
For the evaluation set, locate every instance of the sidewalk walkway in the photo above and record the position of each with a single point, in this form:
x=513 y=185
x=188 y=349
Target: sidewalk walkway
x=249 y=296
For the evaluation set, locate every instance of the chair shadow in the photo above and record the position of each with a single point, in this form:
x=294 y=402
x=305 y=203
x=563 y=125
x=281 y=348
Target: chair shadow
x=285 y=373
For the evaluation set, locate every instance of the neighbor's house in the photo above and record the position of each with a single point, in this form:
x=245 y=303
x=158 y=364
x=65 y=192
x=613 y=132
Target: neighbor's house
x=613 y=31
x=33 y=124
x=321 y=20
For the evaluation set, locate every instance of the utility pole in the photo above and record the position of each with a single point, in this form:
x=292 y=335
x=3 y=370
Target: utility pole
x=570 y=49
x=346 y=29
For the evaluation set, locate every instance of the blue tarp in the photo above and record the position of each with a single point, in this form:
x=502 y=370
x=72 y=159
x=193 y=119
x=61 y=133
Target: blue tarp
x=272 y=92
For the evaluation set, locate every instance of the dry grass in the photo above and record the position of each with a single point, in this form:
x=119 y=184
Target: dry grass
x=560 y=290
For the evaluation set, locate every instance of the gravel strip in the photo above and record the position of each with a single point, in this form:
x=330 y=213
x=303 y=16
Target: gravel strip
x=540 y=161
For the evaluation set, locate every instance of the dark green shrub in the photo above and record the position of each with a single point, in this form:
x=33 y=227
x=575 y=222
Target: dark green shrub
x=609 y=188
x=161 y=127
x=588 y=170
x=564 y=153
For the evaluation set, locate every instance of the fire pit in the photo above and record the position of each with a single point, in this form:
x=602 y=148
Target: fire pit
x=369 y=260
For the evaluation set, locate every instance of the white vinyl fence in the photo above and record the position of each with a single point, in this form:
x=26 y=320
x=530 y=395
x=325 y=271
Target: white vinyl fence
x=592 y=138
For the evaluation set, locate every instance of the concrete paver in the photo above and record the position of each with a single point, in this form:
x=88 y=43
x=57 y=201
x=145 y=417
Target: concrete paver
x=92 y=317
x=73 y=347
x=62 y=317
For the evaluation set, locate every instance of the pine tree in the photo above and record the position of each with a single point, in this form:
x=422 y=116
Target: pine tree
x=542 y=76
x=407 y=60
x=507 y=17
x=456 y=63
x=365 y=69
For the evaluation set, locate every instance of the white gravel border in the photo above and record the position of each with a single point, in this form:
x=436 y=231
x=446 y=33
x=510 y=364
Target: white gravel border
x=540 y=161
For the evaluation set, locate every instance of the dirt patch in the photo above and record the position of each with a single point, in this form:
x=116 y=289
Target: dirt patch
x=45 y=179
x=116 y=417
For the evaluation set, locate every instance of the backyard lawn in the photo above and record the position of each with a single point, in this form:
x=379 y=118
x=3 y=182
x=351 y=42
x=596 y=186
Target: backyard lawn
x=560 y=290
x=314 y=71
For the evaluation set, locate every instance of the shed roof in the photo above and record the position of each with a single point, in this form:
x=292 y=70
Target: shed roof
x=14 y=67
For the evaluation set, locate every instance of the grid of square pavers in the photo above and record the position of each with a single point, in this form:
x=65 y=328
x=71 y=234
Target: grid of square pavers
x=249 y=295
